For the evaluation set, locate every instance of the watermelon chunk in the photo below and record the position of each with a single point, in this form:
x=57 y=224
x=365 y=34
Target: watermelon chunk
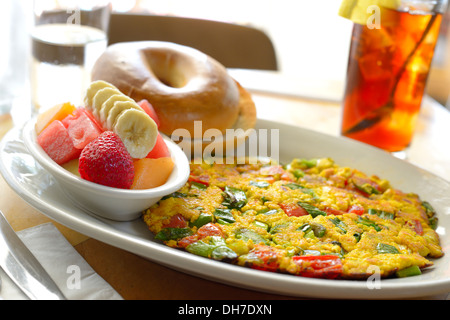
x=160 y=149
x=81 y=128
x=148 y=108
x=57 y=143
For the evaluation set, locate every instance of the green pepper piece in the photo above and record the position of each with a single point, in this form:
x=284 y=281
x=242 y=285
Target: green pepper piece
x=305 y=227
x=296 y=186
x=431 y=214
x=224 y=215
x=260 y=184
x=367 y=188
x=298 y=173
x=309 y=234
x=433 y=223
x=369 y=223
x=311 y=253
x=261 y=224
x=409 y=272
x=312 y=210
x=429 y=209
x=305 y=163
x=293 y=186
x=247 y=234
x=382 y=214
x=384 y=248
x=200 y=248
x=318 y=229
x=267 y=212
x=279 y=227
x=339 y=224
x=223 y=253
x=167 y=234
x=357 y=236
x=198 y=185
x=177 y=194
x=203 y=218
x=234 y=198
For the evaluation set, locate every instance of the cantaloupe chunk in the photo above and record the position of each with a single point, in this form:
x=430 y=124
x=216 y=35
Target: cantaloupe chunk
x=151 y=173
x=58 y=112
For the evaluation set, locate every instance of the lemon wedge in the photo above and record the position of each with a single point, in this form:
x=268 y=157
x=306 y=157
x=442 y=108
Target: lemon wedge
x=359 y=11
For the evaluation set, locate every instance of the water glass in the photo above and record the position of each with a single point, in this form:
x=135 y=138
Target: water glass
x=13 y=55
x=67 y=38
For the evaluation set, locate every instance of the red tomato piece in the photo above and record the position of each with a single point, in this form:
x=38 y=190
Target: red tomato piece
x=183 y=243
x=332 y=211
x=264 y=258
x=209 y=230
x=293 y=209
x=203 y=179
x=356 y=210
x=177 y=221
x=275 y=170
x=417 y=226
x=326 y=266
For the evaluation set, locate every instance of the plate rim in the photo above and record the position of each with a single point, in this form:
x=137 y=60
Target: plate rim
x=151 y=250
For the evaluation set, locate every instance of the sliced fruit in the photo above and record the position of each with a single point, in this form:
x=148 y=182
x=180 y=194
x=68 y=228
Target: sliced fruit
x=100 y=97
x=92 y=91
x=57 y=143
x=81 y=128
x=148 y=108
x=160 y=149
x=109 y=104
x=138 y=132
x=58 y=112
x=151 y=173
x=117 y=109
x=106 y=161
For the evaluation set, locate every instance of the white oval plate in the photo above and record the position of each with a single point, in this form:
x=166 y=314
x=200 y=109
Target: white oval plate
x=39 y=189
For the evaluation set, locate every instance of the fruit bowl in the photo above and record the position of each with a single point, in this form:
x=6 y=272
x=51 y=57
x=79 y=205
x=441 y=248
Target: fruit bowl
x=107 y=202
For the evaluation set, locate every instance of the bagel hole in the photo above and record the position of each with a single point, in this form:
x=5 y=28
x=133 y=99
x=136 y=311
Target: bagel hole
x=164 y=66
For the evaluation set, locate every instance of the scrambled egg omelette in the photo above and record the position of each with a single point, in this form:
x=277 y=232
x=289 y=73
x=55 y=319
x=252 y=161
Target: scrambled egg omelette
x=310 y=218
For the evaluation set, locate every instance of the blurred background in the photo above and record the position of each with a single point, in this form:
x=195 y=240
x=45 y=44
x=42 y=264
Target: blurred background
x=301 y=30
x=310 y=39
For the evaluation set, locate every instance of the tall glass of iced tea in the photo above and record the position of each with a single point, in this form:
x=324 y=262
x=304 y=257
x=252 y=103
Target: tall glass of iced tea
x=388 y=67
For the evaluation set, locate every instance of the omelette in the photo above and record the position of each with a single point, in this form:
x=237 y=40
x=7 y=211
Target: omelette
x=310 y=218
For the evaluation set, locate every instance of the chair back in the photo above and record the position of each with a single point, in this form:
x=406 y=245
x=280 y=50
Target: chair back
x=235 y=46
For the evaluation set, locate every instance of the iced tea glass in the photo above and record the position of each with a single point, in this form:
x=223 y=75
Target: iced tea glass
x=387 y=73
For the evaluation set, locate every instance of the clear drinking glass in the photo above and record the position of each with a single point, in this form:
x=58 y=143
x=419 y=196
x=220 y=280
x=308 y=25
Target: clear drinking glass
x=13 y=55
x=388 y=66
x=67 y=38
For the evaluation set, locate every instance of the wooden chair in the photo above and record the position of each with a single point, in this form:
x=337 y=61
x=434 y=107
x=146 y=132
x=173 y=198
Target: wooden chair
x=233 y=45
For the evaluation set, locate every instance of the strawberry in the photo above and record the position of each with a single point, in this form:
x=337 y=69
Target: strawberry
x=106 y=161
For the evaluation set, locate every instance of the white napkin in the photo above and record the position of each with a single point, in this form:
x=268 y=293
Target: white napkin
x=73 y=275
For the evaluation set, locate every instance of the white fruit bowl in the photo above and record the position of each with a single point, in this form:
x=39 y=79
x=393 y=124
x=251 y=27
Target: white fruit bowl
x=111 y=203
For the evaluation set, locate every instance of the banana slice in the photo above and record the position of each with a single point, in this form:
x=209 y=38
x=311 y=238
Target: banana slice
x=117 y=108
x=92 y=91
x=100 y=97
x=137 y=131
x=108 y=104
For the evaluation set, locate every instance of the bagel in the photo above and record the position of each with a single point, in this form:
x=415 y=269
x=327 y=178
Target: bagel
x=182 y=84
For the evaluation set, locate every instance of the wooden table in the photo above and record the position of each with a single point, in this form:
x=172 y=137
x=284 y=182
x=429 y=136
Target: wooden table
x=136 y=278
